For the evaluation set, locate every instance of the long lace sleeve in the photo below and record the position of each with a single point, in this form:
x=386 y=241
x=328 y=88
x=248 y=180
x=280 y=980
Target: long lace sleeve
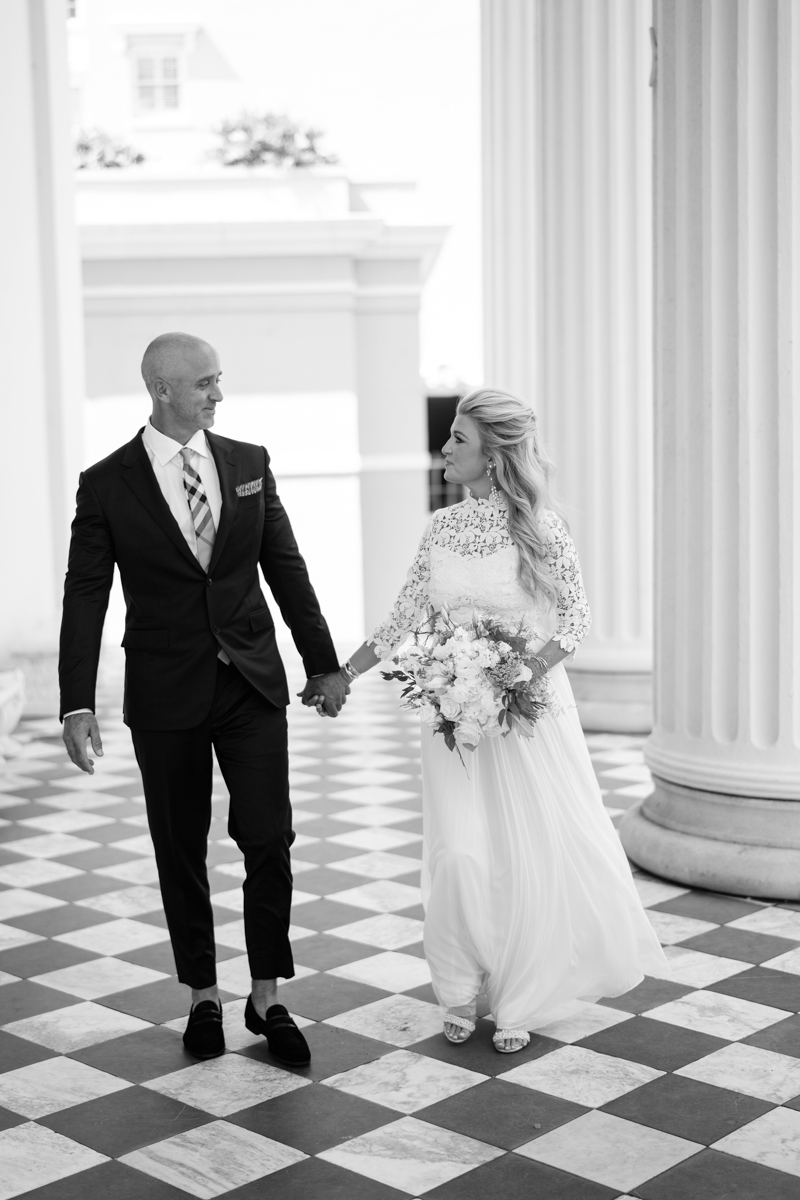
x=410 y=603
x=574 y=617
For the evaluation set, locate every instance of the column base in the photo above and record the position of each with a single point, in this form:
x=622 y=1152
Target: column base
x=613 y=701
x=734 y=844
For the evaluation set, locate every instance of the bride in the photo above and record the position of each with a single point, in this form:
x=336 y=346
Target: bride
x=528 y=894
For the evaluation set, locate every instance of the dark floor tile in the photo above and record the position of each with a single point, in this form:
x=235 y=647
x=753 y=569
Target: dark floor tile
x=158 y=1002
x=19 y=1052
x=314 y=1179
x=763 y=985
x=423 y=992
x=324 y=827
x=324 y=951
x=54 y=921
x=222 y=854
x=24 y=999
x=740 y=943
x=416 y=950
x=711 y=1175
x=648 y=994
x=15 y=833
x=161 y=958
x=515 y=1178
x=327 y=914
x=325 y=803
x=416 y=911
x=136 y=1057
x=314 y=1118
x=39 y=957
x=81 y=887
x=324 y=881
x=24 y=810
x=125 y=1121
x=100 y=856
x=157 y=918
x=479 y=1054
x=9 y=1119
x=707 y=906
x=109 y=1181
x=134 y=788
x=412 y=850
x=687 y=1108
x=783 y=1037
x=654 y=1043
x=502 y=1114
x=332 y=1050
x=323 y=852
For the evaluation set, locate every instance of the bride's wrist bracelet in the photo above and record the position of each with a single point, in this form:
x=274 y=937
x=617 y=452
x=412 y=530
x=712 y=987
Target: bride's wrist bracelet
x=351 y=673
x=542 y=663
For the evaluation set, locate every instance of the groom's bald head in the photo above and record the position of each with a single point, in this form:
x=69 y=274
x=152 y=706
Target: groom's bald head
x=181 y=372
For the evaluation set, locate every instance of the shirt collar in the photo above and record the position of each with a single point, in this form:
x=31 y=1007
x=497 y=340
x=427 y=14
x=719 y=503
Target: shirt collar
x=166 y=448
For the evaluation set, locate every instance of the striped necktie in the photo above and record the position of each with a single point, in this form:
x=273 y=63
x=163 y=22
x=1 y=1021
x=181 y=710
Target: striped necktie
x=199 y=508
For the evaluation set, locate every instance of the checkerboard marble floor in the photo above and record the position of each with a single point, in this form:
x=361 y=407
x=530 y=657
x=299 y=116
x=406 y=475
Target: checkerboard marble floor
x=683 y=1089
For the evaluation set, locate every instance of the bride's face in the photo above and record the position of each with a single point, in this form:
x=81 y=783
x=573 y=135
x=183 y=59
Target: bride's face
x=465 y=459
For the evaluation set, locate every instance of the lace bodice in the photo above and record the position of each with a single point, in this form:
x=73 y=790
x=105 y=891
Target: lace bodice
x=467 y=559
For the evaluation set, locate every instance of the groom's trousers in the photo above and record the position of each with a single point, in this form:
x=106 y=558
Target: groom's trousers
x=249 y=736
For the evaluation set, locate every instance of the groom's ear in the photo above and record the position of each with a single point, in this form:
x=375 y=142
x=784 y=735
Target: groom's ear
x=162 y=391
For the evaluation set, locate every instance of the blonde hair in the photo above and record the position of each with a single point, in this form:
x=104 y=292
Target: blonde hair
x=507 y=430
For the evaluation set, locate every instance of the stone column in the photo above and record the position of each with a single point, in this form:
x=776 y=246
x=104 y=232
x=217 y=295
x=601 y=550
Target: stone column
x=40 y=322
x=567 y=235
x=725 y=750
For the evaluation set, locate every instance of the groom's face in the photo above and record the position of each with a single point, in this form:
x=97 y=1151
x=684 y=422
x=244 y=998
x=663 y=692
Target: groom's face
x=195 y=390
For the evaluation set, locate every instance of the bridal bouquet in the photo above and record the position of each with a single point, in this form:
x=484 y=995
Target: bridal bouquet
x=470 y=681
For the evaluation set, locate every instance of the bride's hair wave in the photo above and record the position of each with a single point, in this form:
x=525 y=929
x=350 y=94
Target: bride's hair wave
x=508 y=434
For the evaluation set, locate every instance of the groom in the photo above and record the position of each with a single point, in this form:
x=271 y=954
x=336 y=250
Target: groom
x=188 y=517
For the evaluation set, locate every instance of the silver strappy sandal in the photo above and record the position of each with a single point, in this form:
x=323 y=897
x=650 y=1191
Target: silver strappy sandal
x=451 y=1018
x=502 y=1035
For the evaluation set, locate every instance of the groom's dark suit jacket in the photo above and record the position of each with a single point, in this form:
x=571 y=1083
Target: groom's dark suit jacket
x=177 y=615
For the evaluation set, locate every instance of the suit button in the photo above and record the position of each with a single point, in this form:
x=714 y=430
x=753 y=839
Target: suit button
x=215 y=629
x=209 y=582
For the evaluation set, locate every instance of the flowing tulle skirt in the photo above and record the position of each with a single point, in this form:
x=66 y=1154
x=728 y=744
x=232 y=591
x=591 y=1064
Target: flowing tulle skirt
x=528 y=894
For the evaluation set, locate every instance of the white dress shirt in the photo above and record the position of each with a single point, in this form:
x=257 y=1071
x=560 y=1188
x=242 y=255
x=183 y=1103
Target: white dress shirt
x=167 y=463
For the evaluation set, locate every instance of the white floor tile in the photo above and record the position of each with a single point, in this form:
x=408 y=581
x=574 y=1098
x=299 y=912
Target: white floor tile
x=639 y=791
x=392 y=971
x=387 y=930
x=789 y=962
x=375 y=796
x=586 y=1020
x=383 y=895
x=233 y=975
x=772 y=1140
x=618 y=758
x=227 y=1084
x=11 y=937
x=138 y=870
x=18 y=902
x=213 y=1159
x=378 y=864
x=581 y=1075
x=81 y=800
x=655 y=891
x=232 y=870
x=780 y=922
x=718 y=1015
x=50 y=845
x=80 y=782
x=608 y=1150
x=761 y=1073
x=115 y=937
x=369 y=777
x=98 y=977
x=232 y=898
x=33 y=1156
x=399 y=1020
x=70 y=820
x=76 y=1026
x=405 y=1081
x=635 y=772
x=57 y=1083
x=411 y=1155
x=696 y=969
x=385 y=838
x=374 y=815
x=127 y=902
x=671 y=929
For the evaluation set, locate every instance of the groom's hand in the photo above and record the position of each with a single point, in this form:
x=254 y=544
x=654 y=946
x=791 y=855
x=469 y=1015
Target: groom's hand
x=332 y=689
x=78 y=729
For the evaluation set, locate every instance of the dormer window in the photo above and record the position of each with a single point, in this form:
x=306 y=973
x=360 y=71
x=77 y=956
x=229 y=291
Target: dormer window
x=157 y=82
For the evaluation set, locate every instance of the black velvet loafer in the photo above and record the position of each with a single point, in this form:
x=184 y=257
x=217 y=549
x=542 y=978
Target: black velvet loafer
x=285 y=1041
x=204 y=1037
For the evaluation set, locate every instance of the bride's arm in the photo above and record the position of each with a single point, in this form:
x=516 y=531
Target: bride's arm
x=572 y=606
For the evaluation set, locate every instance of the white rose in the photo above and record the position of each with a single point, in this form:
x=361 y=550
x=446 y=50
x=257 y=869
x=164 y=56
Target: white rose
x=450 y=708
x=468 y=732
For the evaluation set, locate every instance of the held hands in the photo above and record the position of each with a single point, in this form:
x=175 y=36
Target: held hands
x=78 y=729
x=327 y=693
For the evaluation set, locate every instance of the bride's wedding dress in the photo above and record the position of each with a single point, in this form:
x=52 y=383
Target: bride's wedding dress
x=527 y=891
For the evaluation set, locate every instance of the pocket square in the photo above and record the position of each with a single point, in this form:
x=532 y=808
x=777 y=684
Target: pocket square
x=249 y=489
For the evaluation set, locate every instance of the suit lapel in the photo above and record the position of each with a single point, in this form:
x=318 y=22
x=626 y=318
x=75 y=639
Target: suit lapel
x=226 y=459
x=140 y=478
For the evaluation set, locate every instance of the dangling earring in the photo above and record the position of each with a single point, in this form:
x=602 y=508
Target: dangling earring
x=494 y=495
